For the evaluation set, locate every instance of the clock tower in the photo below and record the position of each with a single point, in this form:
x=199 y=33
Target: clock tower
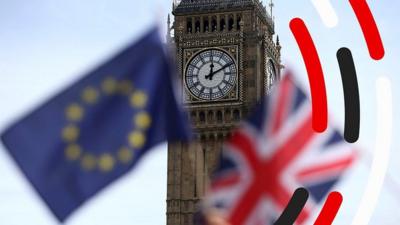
x=227 y=60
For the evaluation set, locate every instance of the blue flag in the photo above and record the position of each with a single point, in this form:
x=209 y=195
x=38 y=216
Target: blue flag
x=98 y=129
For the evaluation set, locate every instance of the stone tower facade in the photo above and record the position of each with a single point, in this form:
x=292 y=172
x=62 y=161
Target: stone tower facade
x=227 y=61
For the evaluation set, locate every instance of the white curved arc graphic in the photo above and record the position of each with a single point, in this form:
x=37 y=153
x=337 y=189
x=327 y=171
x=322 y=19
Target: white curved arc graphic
x=326 y=12
x=381 y=154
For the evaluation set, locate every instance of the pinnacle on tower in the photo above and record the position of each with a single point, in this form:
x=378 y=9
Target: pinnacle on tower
x=271 y=6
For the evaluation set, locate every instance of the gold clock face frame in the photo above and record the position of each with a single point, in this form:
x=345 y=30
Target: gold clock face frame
x=211 y=74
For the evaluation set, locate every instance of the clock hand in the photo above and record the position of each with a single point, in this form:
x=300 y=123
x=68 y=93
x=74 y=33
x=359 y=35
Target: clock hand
x=210 y=76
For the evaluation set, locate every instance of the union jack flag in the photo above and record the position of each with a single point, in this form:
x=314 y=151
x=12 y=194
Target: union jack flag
x=272 y=154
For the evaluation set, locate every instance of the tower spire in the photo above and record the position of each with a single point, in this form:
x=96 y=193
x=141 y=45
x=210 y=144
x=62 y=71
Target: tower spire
x=168 y=21
x=168 y=28
x=271 y=7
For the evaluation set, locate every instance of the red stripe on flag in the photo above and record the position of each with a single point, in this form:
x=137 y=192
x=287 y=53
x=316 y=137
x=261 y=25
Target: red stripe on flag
x=243 y=144
x=283 y=104
x=226 y=181
x=319 y=170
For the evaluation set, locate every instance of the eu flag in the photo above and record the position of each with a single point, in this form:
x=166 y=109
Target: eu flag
x=98 y=129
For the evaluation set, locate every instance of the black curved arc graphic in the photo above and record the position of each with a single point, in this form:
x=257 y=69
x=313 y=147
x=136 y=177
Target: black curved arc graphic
x=294 y=207
x=351 y=95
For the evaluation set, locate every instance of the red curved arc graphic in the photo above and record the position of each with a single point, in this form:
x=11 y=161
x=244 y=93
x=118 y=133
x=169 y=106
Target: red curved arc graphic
x=315 y=74
x=298 y=201
x=330 y=209
x=369 y=28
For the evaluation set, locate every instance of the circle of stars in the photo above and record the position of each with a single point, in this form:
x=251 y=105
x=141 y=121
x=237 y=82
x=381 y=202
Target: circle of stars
x=136 y=138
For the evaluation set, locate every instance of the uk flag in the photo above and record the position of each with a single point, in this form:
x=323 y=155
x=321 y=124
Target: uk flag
x=272 y=154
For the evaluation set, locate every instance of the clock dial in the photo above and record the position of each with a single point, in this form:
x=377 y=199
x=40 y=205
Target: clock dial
x=271 y=73
x=211 y=74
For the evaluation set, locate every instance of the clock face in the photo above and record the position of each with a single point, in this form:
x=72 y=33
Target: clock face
x=211 y=74
x=271 y=73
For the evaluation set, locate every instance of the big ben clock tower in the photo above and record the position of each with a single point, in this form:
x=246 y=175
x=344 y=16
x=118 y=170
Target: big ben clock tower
x=227 y=61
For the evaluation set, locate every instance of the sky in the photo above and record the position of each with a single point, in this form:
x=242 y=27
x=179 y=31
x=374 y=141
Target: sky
x=45 y=45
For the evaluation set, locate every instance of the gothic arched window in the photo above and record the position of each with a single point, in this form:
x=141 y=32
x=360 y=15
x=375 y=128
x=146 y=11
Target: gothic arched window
x=206 y=25
x=236 y=115
x=210 y=116
x=202 y=117
x=227 y=115
x=214 y=24
x=231 y=23
x=222 y=24
x=238 y=20
x=197 y=26
x=219 y=117
x=193 y=116
x=189 y=25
